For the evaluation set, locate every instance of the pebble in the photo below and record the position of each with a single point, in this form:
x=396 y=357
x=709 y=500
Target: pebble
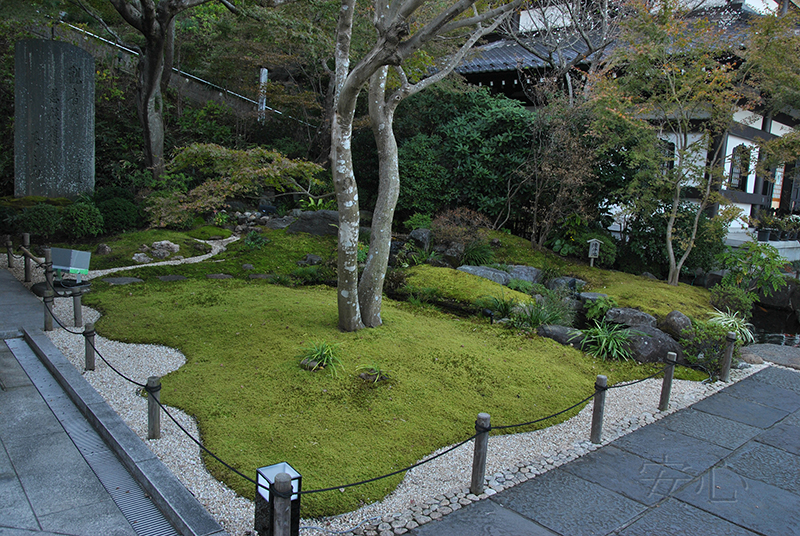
x=511 y=459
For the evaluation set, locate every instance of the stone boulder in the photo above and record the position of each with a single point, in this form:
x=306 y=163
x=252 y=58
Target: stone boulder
x=280 y=223
x=453 y=253
x=676 y=324
x=526 y=273
x=103 y=249
x=786 y=298
x=421 y=238
x=493 y=274
x=316 y=222
x=165 y=245
x=141 y=258
x=630 y=317
x=572 y=283
x=310 y=260
x=650 y=345
x=561 y=334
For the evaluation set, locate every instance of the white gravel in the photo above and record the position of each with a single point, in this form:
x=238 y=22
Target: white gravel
x=426 y=493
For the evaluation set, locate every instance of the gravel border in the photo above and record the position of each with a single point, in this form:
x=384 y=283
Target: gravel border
x=426 y=493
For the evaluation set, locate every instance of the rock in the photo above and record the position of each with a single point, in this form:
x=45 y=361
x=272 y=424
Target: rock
x=248 y=266
x=310 y=260
x=630 y=317
x=571 y=283
x=103 y=249
x=526 y=273
x=749 y=357
x=676 y=324
x=219 y=276
x=650 y=345
x=316 y=222
x=280 y=223
x=591 y=296
x=786 y=298
x=421 y=238
x=166 y=245
x=160 y=253
x=713 y=278
x=122 y=280
x=493 y=274
x=561 y=334
x=648 y=275
x=452 y=255
x=172 y=277
x=141 y=258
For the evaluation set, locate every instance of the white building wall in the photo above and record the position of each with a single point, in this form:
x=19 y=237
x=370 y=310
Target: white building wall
x=731 y=143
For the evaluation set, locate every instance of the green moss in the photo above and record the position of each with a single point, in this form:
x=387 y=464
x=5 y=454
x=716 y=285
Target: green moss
x=460 y=286
x=257 y=407
x=208 y=232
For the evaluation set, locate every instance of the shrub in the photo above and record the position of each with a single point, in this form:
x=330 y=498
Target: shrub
x=112 y=192
x=81 y=220
x=119 y=214
x=520 y=285
x=705 y=346
x=477 y=253
x=597 y=309
x=728 y=297
x=607 y=341
x=551 y=308
x=317 y=274
x=459 y=225
x=418 y=221
x=254 y=240
x=41 y=221
x=608 y=248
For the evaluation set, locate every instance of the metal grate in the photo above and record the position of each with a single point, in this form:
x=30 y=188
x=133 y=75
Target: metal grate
x=145 y=518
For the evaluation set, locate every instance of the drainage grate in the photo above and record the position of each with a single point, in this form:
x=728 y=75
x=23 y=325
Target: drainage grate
x=145 y=518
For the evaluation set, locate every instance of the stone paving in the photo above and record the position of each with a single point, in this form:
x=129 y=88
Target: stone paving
x=728 y=465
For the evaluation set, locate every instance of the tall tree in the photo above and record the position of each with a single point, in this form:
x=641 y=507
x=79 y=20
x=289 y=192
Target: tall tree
x=677 y=70
x=399 y=35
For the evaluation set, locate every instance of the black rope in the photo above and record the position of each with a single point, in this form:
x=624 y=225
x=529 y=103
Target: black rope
x=544 y=418
x=53 y=315
x=96 y=351
x=634 y=382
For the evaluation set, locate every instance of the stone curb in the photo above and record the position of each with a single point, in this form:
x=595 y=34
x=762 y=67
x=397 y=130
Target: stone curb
x=179 y=506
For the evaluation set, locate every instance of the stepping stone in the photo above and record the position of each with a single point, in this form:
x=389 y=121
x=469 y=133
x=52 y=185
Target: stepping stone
x=122 y=280
x=171 y=277
x=259 y=276
x=219 y=276
x=248 y=267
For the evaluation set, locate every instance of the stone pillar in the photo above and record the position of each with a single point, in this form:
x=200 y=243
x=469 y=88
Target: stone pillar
x=54 y=119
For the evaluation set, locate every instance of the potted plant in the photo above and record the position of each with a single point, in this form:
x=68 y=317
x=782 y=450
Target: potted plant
x=762 y=229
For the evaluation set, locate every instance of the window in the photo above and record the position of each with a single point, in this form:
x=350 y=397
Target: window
x=667 y=150
x=740 y=168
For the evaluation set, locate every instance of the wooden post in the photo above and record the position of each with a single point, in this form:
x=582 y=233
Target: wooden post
x=88 y=334
x=26 y=243
x=153 y=409
x=283 y=505
x=725 y=372
x=10 y=252
x=599 y=407
x=482 y=426
x=666 y=385
x=76 y=306
x=48 y=310
x=48 y=267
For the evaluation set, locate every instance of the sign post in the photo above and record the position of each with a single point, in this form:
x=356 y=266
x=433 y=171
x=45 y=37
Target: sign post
x=594 y=250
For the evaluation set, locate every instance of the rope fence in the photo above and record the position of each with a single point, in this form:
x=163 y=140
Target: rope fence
x=277 y=492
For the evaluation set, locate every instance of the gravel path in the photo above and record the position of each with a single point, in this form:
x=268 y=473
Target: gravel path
x=426 y=493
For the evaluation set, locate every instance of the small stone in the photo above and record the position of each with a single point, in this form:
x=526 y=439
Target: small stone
x=436 y=515
x=489 y=492
x=464 y=502
x=422 y=519
x=445 y=510
x=384 y=527
x=411 y=525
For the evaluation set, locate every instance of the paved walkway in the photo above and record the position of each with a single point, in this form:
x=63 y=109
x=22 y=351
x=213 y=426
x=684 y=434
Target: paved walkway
x=57 y=473
x=728 y=465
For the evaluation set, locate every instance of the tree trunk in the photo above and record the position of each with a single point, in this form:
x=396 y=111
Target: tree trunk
x=370 y=290
x=150 y=105
x=347 y=199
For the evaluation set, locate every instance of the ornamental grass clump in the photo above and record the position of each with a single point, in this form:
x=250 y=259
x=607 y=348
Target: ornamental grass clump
x=321 y=355
x=607 y=341
x=735 y=323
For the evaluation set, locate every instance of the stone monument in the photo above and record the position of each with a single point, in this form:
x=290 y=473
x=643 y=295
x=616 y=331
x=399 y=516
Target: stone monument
x=54 y=119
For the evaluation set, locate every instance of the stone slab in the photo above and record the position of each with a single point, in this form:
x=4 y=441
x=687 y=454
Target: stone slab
x=767 y=464
x=570 y=505
x=672 y=449
x=11 y=374
x=102 y=517
x=219 y=276
x=15 y=510
x=786 y=379
x=484 y=518
x=778 y=354
x=172 y=277
x=23 y=413
x=122 y=280
x=760 y=507
x=766 y=394
x=782 y=436
x=712 y=428
x=634 y=477
x=740 y=410
x=675 y=517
